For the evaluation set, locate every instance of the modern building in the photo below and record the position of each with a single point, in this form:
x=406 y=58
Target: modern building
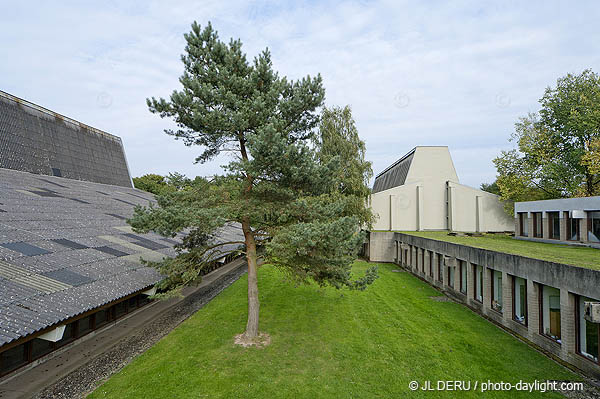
x=421 y=191
x=569 y=220
x=552 y=305
x=69 y=263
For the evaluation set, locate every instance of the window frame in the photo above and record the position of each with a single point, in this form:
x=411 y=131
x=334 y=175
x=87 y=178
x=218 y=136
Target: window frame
x=578 y=332
x=514 y=301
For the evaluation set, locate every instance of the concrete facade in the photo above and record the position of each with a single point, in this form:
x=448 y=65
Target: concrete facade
x=541 y=278
x=569 y=220
x=421 y=191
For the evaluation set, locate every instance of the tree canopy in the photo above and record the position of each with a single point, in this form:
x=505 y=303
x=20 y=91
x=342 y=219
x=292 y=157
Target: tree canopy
x=556 y=152
x=283 y=193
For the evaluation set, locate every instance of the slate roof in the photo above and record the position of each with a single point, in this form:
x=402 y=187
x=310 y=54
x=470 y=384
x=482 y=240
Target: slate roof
x=65 y=248
x=395 y=174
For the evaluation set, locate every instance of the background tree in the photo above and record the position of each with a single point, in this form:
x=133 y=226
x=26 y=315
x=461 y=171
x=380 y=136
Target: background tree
x=554 y=154
x=275 y=188
x=157 y=184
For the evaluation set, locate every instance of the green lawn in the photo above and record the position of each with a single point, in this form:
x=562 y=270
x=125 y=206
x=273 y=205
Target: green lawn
x=329 y=344
x=560 y=253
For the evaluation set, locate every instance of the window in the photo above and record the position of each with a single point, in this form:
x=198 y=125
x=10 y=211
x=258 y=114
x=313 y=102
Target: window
x=519 y=291
x=422 y=261
x=451 y=276
x=554 y=225
x=440 y=264
x=573 y=228
x=430 y=264
x=524 y=224
x=12 y=359
x=594 y=226
x=120 y=309
x=537 y=224
x=496 y=283
x=478 y=281
x=68 y=335
x=85 y=326
x=550 y=312
x=463 y=276
x=588 y=334
x=40 y=347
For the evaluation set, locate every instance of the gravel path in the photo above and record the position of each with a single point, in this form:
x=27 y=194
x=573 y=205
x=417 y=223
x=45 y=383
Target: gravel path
x=85 y=379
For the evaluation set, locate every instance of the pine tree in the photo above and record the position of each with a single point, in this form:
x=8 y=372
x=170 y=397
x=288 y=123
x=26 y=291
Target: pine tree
x=275 y=187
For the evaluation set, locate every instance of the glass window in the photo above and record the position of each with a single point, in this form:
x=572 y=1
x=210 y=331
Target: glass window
x=12 y=358
x=496 y=283
x=451 y=276
x=588 y=332
x=537 y=225
x=102 y=317
x=520 y=300
x=68 y=335
x=120 y=309
x=132 y=303
x=594 y=226
x=463 y=276
x=524 y=221
x=430 y=264
x=573 y=229
x=554 y=225
x=551 y=312
x=478 y=283
x=40 y=347
x=422 y=260
x=85 y=326
x=143 y=299
x=440 y=260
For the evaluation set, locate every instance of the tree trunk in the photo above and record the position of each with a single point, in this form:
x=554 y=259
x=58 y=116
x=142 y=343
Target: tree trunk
x=253 y=304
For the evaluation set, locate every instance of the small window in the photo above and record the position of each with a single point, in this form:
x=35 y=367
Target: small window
x=430 y=264
x=451 y=276
x=40 y=347
x=12 y=359
x=519 y=290
x=463 y=276
x=85 y=326
x=554 y=225
x=550 y=312
x=440 y=267
x=524 y=223
x=478 y=281
x=496 y=286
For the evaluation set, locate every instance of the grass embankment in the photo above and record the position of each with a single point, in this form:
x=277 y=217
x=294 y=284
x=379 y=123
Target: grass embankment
x=560 y=253
x=331 y=344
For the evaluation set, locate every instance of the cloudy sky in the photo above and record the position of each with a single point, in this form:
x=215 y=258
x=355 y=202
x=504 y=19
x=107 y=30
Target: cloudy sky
x=454 y=73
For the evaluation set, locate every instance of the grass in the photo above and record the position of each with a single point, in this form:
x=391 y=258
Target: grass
x=332 y=344
x=560 y=253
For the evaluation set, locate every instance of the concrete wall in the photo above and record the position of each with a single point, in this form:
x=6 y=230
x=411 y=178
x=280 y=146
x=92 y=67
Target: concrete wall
x=569 y=280
x=477 y=211
x=421 y=202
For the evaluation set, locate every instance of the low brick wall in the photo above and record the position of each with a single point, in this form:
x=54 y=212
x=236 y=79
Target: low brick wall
x=431 y=260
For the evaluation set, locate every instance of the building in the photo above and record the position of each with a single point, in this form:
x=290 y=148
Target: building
x=421 y=191
x=569 y=220
x=69 y=263
x=552 y=305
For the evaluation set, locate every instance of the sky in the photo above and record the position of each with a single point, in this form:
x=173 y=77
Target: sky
x=456 y=73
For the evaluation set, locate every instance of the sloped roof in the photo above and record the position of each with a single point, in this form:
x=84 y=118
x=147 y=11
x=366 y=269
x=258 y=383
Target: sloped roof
x=395 y=174
x=65 y=249
x=36 y=140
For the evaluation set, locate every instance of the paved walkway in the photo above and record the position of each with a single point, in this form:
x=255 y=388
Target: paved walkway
x=78 y=369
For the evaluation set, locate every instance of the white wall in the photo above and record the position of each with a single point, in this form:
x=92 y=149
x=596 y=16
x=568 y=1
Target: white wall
x=492 y=216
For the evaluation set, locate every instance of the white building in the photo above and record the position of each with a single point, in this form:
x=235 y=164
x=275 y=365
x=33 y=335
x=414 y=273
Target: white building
x=421 y=192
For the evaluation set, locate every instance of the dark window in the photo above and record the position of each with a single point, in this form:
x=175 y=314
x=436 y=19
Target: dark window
x=120 y=309
x=85 y=326
x=13 y=358
x=423 y=261
x=143 y=299
x=478 y=281
x=554 y=225
x=68 y=335
x=102 y=317
x=537 y=224
x=451 y=276
x=573 y=228
x=524 y=224
x=40 y=347
x=430 y=264
x=440 y=264
x=132 y=303
x=463 y=276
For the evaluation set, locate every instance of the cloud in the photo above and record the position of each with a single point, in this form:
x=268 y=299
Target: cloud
x=415 y=73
